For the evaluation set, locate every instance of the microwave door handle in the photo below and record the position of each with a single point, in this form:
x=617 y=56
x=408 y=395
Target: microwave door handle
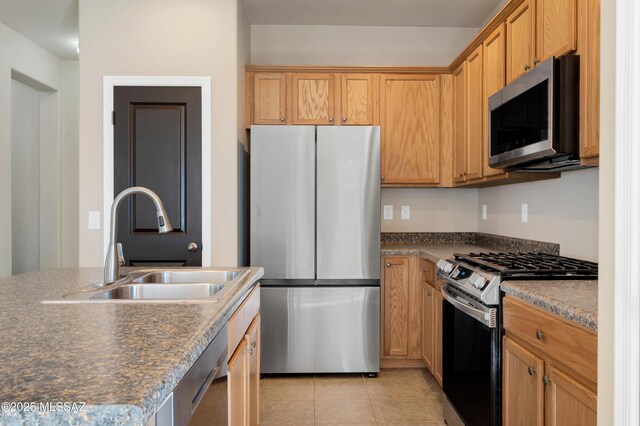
x=484 y=317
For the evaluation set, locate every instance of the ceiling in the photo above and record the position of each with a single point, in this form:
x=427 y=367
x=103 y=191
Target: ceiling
x=409 y=13
x=53 y=24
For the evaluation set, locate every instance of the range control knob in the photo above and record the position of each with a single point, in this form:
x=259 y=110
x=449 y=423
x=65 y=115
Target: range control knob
x=479 y=282
x=448 y=267
x=440 y=264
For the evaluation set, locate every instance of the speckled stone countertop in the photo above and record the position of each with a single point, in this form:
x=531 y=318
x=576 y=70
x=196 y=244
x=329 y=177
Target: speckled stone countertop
x=575 y=300
x=433 y=252
x=121 y=360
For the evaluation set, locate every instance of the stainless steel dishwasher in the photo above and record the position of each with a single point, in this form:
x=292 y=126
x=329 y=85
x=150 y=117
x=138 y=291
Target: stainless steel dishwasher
x=201 y=396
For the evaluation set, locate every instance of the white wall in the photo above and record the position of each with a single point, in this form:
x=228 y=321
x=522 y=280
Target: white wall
x=24 y=56
x=356 y=45
x=563 y=211
x=25 y=168
x=606 y=266
x=69 y=146
x=432 y=209
x=161 y=38
x=244 y=57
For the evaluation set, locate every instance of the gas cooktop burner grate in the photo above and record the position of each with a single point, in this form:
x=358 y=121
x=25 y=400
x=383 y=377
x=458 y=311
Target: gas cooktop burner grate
x=531 y=265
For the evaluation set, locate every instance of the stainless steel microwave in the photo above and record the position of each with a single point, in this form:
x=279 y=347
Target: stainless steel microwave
x=533 y=121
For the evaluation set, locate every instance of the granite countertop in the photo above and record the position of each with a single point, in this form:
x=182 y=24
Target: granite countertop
x=433 y=252
x=574 y=300
x=121 y=360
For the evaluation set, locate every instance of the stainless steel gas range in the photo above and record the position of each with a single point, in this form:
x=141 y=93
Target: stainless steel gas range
x=472 y=329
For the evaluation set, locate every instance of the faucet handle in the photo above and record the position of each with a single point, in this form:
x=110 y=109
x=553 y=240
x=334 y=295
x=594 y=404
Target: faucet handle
x=121 y=260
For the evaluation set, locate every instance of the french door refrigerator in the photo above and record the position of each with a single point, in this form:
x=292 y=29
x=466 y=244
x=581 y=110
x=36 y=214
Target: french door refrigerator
x=315 y=228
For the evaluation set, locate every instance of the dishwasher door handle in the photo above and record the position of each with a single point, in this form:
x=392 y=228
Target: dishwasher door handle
x=485 y=316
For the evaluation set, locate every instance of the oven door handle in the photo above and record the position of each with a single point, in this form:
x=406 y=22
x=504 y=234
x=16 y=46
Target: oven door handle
x=487 y=317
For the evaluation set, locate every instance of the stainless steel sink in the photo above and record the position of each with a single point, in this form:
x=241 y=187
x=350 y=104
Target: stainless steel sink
x=189 y=276
x=161 y=292
x=164 y=285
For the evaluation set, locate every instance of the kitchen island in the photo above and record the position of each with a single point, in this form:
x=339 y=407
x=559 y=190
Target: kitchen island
x=115 y=363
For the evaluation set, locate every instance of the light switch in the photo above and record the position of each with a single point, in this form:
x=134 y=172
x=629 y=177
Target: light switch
x=388 y=212
x=525 y=213
x=94 y=220
x=484 y=212
x=405 y=213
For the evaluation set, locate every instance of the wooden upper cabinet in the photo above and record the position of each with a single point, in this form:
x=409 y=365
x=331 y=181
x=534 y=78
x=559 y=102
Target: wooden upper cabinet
x=459 y=123
x=556 y=28
x=313 y=98
x=357 y=99
x=523 y=396
x=493 y=50
x=396 y=306
x=475 y=115
x=520 y=40
x=269 y=98
x=410 y=120
x=568 y=402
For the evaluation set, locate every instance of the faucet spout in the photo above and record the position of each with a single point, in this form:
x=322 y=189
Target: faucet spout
x=114 y=252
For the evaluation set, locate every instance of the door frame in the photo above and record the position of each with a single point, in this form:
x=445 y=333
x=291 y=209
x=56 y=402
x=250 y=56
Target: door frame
x=109 y=83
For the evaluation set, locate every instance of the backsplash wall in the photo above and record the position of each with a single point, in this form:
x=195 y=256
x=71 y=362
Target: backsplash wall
x=563 y=211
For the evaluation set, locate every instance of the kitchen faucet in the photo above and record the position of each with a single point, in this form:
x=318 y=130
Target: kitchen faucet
x=115 y=257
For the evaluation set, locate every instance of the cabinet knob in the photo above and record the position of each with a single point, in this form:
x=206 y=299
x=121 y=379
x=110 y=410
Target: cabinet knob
x=344 y=119
x=382 y=178
x=539 y=334
x=531 y=370
x=282 y=119
x=388 y=264
x=536 y=61
x=330 y=119
x=192 y=247
x=526 y=67
x=545 y=380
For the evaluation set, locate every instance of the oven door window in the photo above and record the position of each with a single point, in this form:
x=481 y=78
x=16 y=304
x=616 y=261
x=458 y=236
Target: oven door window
x=470 y=367
x=522 y=121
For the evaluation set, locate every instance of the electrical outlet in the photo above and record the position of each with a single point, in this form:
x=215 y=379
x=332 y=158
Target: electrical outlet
x=525 y=213
x=405 y=213
x=388 y=212
x=94 y=220
x=484 y=212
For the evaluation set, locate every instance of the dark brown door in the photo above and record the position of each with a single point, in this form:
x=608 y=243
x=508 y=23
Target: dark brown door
x=157 y=144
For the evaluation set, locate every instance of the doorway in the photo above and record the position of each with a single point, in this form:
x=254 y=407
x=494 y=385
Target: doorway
x=35 y=176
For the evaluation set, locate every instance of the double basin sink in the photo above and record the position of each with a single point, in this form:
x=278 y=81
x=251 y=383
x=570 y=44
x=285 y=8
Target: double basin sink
x=163 y=285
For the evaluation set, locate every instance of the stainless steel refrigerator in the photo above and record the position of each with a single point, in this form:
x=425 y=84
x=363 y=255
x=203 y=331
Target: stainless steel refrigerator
x=315 y=228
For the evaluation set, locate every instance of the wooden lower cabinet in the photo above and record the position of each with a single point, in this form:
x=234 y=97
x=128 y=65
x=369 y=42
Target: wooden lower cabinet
x=427 y=325
x=437 y=335
x=543 y=382
x=522 y=403
x=431 y=319
x=243 y=376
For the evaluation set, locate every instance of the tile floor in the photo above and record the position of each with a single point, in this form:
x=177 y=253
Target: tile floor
x=395 y=397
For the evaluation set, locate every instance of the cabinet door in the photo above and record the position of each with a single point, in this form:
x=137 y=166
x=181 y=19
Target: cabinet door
x=556 y=28
x=459 y=123
x=474 y=101
x=237 y=382
x=269 y=98
x=357 y=99
x=568 y=402
x=493 y=50
x=520 y=40
x=396 y=306
x=313 y=96
x=427 y=325
x=522 y=386
x=410 y=119
x=437 y=335
x=253 y=401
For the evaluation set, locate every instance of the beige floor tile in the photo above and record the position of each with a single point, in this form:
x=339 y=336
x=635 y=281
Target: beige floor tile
x=345 y=376
x=343 y=411
x=399 y=374
x=299 y=389
x=394 y=390
x=394 y=411
x=340 y=389
x=274 y=412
